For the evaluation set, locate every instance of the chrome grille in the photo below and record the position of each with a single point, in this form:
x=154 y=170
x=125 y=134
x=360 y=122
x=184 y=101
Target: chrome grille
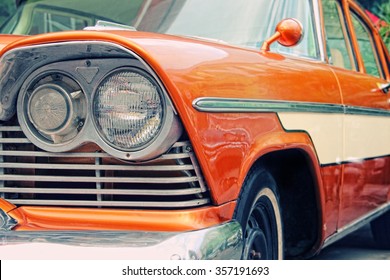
x=88 y=177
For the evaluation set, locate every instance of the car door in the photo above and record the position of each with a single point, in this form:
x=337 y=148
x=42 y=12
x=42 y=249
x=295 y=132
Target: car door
x=361 y=69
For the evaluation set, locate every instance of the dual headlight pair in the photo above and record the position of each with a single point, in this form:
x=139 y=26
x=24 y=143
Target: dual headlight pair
x=128 y=110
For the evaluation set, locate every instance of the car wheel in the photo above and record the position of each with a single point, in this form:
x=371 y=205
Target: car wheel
x=380 y=228
x=259 y=215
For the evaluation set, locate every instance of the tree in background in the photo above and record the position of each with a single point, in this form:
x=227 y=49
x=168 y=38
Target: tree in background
x=370 y=4
x=381 y=8
x=384 y=29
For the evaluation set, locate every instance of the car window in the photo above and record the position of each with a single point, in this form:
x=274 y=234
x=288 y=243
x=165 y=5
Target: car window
x=42 y=16
x=366 y=46
x=302 y=11
x=230 y=21
x=44 y=21
x=7 y=9
x=337 y=42
x=253 y=22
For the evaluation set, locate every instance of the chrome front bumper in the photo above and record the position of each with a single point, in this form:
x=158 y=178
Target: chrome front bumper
x=220 y=242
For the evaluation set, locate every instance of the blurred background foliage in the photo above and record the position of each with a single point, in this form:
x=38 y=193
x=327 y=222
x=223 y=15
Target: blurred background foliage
x=380 y=8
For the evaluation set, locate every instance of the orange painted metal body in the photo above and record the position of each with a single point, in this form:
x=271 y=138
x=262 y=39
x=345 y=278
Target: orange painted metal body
x=228 y=144
x=56 y=218
x=8 y=39
x=365 y=188
x=224 y=161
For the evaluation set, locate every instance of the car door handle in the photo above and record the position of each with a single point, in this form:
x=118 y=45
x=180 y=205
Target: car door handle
x=385 y=88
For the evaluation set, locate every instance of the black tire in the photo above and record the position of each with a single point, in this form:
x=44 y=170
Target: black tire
x=259 y=214
x=380 y=228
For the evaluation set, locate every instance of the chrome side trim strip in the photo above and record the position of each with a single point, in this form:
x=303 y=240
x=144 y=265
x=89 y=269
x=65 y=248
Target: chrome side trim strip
x=354 y=110
x=231 y=105
x=344 y=231
x=228 y=105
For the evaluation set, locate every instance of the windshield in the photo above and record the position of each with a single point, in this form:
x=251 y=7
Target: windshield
x=245 y=23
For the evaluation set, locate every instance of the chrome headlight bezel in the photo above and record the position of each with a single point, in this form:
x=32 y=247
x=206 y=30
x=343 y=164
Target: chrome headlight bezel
x=70 y=104
x=104 y=99
x=170 y=129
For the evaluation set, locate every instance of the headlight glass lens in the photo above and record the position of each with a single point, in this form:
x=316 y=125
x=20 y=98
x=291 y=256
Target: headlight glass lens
x=128 y=109
x=55 y=109
x=49 y=107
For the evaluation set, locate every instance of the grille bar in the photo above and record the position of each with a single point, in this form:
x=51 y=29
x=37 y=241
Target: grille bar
x=103 y=191
x=78 y=155
x=89 y=177
x=10 y=128
x=1 y=161
x=75 y=179
x=97 y=167
x=14 y=140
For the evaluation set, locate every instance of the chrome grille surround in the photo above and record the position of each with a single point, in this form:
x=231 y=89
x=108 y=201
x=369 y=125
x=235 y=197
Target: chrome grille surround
x=89 y=177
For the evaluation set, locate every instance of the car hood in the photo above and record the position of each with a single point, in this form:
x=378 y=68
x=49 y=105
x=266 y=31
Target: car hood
x=191 y=68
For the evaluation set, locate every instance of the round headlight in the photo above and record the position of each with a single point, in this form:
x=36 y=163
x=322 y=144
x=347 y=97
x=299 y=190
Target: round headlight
x=54 y=109
x=49 y=108
x=128 y=109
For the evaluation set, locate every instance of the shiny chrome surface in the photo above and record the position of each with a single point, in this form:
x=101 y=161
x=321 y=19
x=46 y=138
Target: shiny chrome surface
x=220 y=242
x=25 y=66
x=18 y=63
x=94 y=178
x=102 y=25
x=318 y=29
x=6 y=221
x=211 y=104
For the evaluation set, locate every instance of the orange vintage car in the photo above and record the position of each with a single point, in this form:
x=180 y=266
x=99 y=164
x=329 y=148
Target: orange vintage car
x=191 y=129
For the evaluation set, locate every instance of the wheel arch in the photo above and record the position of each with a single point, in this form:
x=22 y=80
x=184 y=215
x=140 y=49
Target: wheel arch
x=296 y=171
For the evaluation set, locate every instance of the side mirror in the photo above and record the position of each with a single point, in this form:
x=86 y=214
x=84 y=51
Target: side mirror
x=288 y=33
